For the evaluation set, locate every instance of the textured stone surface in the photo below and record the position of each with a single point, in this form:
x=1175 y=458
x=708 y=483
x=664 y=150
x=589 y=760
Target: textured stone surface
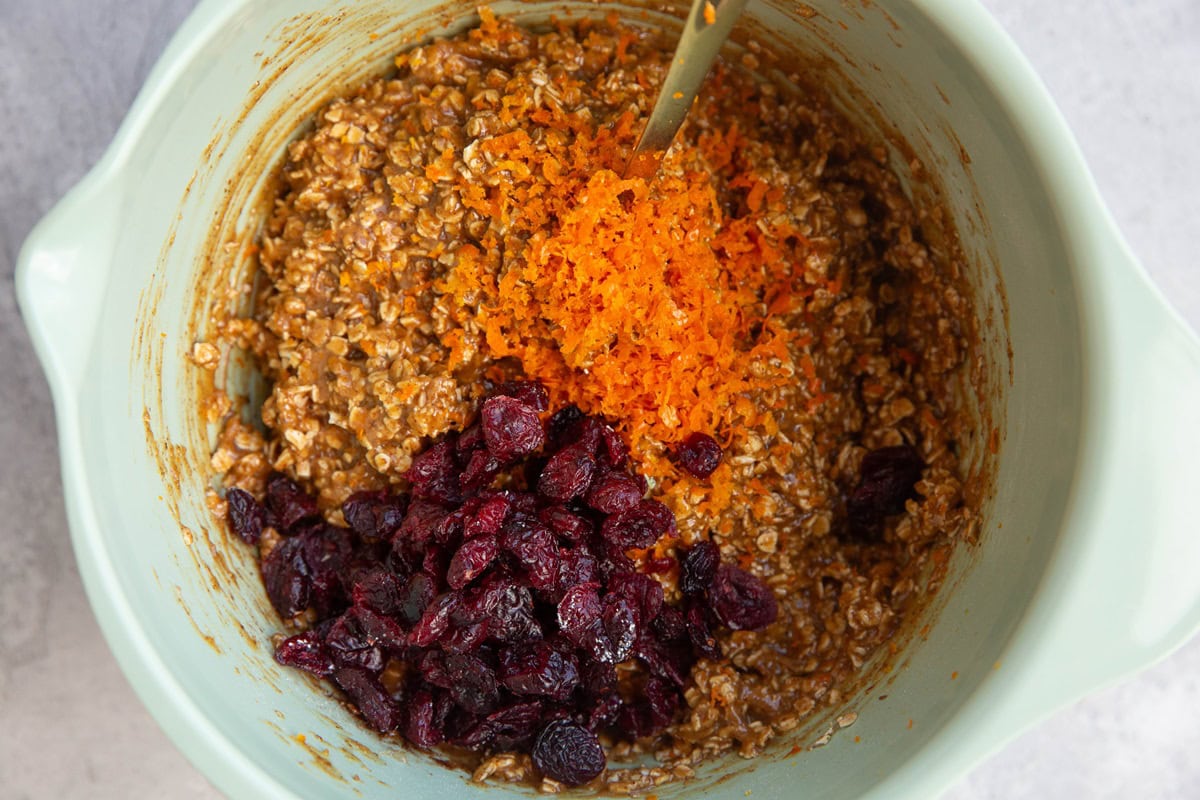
x=1125 y=75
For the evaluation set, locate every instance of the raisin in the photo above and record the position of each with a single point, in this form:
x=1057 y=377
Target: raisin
x=436 y=620
x=422 y=523
x=568 y=753
x=511 y=428
x=740 y=600
x=579 y=611
x=246 y=517
x=699 y=454
x=480 y=470
x=361 y=638
x=613 y=451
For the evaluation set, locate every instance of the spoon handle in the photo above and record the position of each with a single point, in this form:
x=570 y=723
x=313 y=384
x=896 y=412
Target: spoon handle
x=707 y=28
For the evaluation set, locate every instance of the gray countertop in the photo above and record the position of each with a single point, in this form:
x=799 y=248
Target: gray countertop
x=1126 y=74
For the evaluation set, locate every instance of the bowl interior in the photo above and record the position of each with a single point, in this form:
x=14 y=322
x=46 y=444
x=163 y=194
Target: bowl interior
x=247 y=78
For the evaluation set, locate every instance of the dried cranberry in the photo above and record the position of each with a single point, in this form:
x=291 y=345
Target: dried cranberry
x=246 y=517
x=511 y=428
x=328 y=549
x=563 y=426
x=435 y=621
x=568 y=473
x=670 y=624
x=434 y=475
x=886 y=480
x=420 y=726
x=471 y=560
x=509 y=727
x=575 y=566
x=740 y=600
x=612 y=492
x=362 y=638
x=569 y=753
x=508 y=609
x=642 y=591
x=486 y=515
x=370 y=698
x=565 y=523
x=697 y=568
x=579 y=611
x=699 y=454
x=620 y=625
x=379 y=590
x=539 y=668
x=288 y=503
x=374 y=515
x=305 y=651
x=639 y=526
x=286 y=578
x=531 y=393
x=423 y=522
x=598 y=678
x=662 y=702
x=666 y=659
x=466 y=638
x=700 y=634
x=481 y=468
x=472 y=683
x=613 y=451
x=533 y=547
x=604 y=711
x=414 y=598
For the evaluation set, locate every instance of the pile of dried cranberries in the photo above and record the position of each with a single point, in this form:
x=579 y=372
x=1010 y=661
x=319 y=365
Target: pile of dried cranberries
x=490 y=607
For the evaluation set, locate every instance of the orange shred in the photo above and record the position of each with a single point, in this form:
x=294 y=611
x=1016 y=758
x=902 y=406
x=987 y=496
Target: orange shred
x=642 y=302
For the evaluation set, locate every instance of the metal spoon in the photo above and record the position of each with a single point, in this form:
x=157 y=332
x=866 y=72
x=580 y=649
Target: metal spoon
x=707 y=28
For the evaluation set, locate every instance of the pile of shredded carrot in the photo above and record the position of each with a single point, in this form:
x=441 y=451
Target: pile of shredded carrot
x=642 y=302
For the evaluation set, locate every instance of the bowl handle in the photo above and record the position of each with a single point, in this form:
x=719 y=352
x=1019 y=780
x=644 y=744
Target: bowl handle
x=1127 y=575
x=62 y=276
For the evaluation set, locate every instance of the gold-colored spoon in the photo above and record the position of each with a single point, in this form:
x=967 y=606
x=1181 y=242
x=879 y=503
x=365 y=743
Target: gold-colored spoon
x=708 y=25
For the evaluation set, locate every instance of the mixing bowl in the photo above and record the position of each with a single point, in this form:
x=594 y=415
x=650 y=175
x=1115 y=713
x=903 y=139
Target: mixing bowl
x=1085 y=565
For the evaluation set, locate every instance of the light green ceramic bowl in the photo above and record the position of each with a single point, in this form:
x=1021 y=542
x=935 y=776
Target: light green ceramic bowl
x=1086 y=565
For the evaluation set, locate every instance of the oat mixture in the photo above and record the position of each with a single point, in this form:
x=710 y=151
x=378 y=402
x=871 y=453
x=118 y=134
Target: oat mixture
x=464 y=221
